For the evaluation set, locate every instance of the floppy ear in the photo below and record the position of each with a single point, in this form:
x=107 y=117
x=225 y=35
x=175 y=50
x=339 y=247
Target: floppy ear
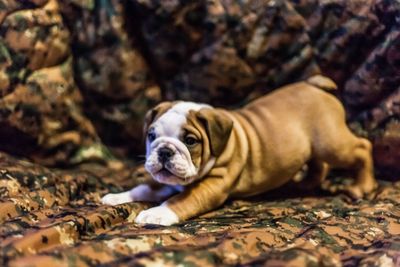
x=218 y=127
x=154 y=113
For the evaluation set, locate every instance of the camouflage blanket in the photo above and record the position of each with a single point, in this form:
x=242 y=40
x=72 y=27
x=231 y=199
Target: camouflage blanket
x=76 y=78
x=53 y=218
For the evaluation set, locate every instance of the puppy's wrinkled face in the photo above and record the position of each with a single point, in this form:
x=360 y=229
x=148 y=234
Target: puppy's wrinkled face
x=176 y=149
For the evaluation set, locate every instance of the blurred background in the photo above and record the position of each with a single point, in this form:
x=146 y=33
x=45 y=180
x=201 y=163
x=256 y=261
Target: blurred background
x=76 y=77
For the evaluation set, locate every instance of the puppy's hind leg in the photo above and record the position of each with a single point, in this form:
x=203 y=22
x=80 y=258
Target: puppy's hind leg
x=317 y=171
x=365 y=181
x=356 y=155
x=311 y=175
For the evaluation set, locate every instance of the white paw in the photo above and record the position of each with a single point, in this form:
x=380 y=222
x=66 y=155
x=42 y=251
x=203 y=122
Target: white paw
x=158 y=215
x=116 y=199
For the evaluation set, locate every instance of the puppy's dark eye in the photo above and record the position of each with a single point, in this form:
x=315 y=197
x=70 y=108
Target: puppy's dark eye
x=190 y=141
x=151 y=136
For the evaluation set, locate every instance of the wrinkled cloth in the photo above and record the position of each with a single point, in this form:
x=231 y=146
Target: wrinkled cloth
x=40 y=104
x=53 y=217
x=77 y=77
x=112 y=73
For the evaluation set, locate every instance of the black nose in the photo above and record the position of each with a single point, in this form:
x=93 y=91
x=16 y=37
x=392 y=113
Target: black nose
x=165 y=154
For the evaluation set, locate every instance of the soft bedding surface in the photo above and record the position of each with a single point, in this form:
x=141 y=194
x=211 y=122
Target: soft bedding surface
x=61 y=223
x=76 y=78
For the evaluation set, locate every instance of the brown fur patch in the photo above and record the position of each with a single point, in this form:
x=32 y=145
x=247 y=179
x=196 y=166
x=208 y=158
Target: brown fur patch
x=218 y=127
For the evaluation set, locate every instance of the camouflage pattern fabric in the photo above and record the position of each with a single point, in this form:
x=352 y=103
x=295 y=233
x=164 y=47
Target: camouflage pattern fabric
x=111 y=72
x=40 y=103
x=53 y=218
x=77 y=74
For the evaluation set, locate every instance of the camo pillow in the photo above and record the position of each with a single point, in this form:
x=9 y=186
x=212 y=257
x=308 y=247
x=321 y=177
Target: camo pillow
x=111 y=71
x=40 y=104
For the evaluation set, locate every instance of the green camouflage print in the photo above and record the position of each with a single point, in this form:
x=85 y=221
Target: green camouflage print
x=40 y=104
x=9 y=6
x=110 y=71
x=53 y=217
x=227 y=52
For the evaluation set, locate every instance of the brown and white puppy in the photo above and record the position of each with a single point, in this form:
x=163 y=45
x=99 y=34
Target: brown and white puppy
x=203 y=155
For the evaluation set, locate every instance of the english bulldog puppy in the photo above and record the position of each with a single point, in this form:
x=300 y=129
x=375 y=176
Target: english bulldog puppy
x=201 y=155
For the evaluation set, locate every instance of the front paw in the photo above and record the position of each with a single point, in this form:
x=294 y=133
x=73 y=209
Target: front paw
x=116 y=199
x=158 y=215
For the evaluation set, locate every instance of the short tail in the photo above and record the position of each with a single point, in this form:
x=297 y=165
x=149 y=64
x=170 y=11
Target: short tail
x=322 y=82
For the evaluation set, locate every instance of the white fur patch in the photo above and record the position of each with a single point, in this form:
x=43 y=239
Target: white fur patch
x=162 y=215
x=168 y=129
x=141 y=192
x=146 y=193
x=116 y=199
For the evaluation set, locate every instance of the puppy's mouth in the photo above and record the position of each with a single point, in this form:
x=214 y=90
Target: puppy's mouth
x=166 y=176
x=166 y=173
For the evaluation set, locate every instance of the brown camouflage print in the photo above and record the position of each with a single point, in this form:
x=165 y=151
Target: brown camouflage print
x=111 y=71
x=53 y=217
x=76 y=78
x=40 y=104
